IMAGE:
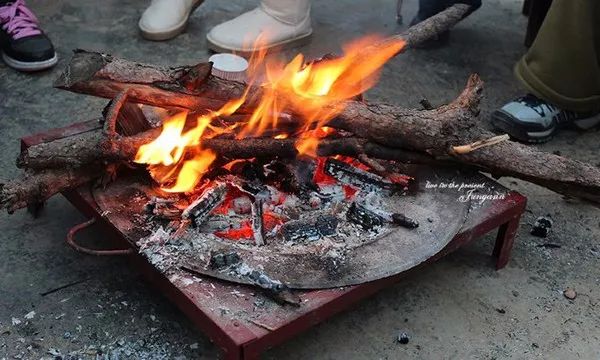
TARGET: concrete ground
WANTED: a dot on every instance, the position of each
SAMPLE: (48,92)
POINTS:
(456,309)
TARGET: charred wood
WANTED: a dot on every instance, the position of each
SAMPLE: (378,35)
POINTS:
(351,175)
(199,210)
(404,221)
(258,222)
(386,131)
(305,230)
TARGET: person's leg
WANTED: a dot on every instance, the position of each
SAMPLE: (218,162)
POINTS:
(561,70)
(165,19)
(428,8)
(23,44)
(278,22)
(563,64)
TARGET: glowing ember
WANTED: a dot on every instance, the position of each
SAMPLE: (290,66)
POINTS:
(314,93)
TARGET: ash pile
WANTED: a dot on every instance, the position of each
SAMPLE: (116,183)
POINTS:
(248,211)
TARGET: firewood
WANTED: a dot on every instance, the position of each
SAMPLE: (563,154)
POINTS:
(436,132)
(36,187)
(384,130)
(433,132)
(95,148)
(106,76)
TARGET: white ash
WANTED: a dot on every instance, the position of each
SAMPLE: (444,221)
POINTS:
(242,205)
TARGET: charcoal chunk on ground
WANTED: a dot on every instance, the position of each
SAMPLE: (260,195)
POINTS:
(542,226)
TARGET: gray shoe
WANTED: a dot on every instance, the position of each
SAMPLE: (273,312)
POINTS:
(533,120)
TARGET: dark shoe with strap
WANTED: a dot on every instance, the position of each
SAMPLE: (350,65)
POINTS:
(532,120)
(24,45)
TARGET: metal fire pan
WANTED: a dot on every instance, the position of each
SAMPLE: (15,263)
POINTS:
(439,211)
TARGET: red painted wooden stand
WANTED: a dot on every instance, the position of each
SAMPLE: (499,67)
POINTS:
(213,304)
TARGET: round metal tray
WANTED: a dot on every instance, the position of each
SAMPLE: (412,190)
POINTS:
(439,212)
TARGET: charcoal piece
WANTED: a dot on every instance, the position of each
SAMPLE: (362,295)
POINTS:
(156,201)
(201,208)
(275,289)
(258,222)
(364,217)
(310,230)
(403,338)
(264,281)
(221,260)
(296,231)
(277,172)
(354,176)
(254,188)
(404,221)
(326,225)
(166,212)
(302,171)
(542,226)
(249,170)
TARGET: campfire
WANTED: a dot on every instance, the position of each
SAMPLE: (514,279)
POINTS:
(259,199)
(291,175)
(315,92)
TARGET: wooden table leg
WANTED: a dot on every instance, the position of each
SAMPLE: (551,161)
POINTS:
(235,355)
(504,241)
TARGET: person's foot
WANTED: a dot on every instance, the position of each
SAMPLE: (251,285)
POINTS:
(24,45)
(533,120)
(165,19)
(240,34)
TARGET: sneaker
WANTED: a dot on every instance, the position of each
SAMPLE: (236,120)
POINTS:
(533,120)
(165,19)
(278,23)
(24,45)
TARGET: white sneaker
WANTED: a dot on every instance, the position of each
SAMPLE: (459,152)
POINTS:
(165,19)
(281,23)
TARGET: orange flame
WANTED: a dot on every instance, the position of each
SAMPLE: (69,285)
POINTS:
(313,92)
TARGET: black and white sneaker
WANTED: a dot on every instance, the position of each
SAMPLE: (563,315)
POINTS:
(533,120)
(24,45)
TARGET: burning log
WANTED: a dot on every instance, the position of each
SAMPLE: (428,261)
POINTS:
(352,175)
(386,131)
(94,148)
(200,209)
